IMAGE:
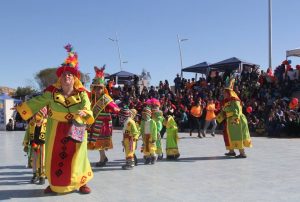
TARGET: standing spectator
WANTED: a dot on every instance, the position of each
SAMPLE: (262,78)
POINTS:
(195,114)
(177,82)
(210,117)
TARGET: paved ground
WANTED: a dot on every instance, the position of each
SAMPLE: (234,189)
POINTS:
(270,173)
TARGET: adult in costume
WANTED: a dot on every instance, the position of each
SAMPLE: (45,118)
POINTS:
(67,164)
(236,133)
(172,138)
(149,135)
(130,136)
(100,133)
(34,145)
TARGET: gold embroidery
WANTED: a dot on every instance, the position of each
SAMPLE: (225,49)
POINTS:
(66,102)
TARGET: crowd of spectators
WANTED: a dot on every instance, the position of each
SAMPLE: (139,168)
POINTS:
(265,97)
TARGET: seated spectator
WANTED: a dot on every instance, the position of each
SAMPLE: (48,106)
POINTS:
(10,125)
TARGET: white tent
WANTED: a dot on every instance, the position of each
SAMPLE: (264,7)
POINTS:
(293,52)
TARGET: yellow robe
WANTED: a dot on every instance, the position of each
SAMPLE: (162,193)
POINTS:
(67,164)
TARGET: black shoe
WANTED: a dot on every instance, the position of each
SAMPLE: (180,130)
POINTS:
(230,154)
(199,135)
(160,157)
(42,181)
(105,160)
(34,179)
(153,159)
(213,134)
(100,164)
(127,167)
(241,156)
(135,160)
(147,161)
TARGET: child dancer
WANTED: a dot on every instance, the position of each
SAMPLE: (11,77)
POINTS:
(130,136)
(149,135)
(34,144)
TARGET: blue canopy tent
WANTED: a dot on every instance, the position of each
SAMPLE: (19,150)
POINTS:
(122,76)
(202,68)
(231,64)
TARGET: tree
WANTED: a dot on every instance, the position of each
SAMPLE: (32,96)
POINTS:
(22,92)
(47,77)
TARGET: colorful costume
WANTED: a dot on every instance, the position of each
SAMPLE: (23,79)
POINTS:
(130,136)
(67,164)
(34,145)
(157,116)
(100,133)
(236,133)
(149,135)
(172,138)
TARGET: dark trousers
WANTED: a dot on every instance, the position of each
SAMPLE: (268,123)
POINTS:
(195,124)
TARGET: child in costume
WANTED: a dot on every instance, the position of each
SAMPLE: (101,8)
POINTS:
(34,145)
(130,136)
(149,135)
(157,116)
(172,138)
(236,133)
(100,133)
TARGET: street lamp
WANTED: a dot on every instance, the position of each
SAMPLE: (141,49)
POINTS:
(118,47)
(270,33)
(180,54)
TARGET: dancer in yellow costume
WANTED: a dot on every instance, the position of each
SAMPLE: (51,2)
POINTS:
(149,135)
(130,136)
(172,138)
(67,164)
(34,145)
(236,133)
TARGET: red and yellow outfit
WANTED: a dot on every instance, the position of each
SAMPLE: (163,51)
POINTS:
(67,164)
(100,133)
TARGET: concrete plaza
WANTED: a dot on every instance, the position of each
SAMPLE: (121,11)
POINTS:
(270,173)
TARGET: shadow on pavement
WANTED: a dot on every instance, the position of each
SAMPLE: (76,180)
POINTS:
(187,159)
(28,193)
(15,180)
(13,167)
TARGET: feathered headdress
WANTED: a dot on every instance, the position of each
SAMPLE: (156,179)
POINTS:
(229,83)
(99,78)
(70,64)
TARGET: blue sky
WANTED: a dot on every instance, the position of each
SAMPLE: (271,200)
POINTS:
(33,34)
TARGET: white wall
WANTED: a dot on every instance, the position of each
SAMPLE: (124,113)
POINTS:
(7,113)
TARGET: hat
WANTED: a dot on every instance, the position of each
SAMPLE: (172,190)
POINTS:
(133,113)
(124,112)
(99,77)
(229,84)
(70,64)
(147,111)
